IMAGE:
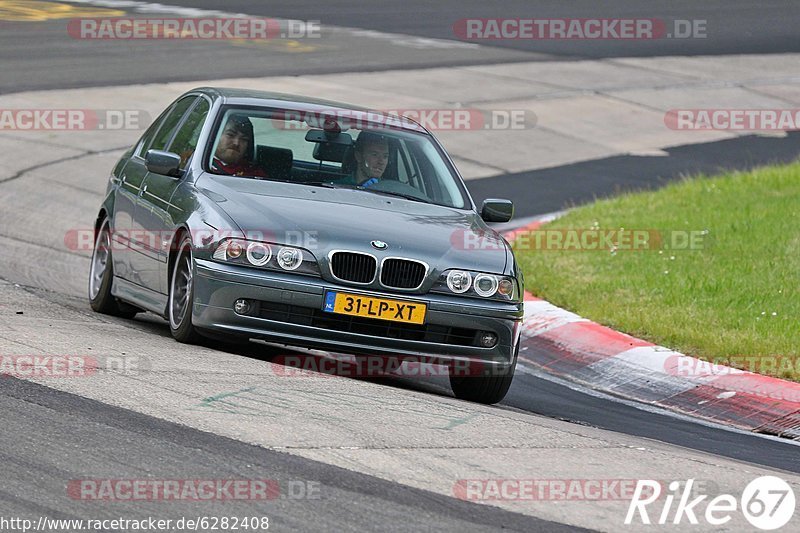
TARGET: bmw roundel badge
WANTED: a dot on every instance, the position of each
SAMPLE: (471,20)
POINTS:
(380,245)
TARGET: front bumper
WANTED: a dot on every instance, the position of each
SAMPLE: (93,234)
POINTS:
(218,286)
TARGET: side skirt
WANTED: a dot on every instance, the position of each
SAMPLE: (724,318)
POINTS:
(152,301)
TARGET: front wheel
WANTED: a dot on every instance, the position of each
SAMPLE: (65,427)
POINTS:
(489,387)
(101,274)
(181,295)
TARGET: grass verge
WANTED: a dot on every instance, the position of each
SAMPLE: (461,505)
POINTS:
(714,270)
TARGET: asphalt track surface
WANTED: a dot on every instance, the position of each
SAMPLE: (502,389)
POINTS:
(734,27)
(41,55)
(73,424)
(552,189)
(36,418)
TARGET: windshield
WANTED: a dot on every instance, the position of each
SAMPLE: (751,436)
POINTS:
(332,149)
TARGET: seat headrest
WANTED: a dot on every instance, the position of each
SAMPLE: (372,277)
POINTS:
(330,152)
(264,153)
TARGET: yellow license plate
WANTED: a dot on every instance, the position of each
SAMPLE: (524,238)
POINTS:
(371,307)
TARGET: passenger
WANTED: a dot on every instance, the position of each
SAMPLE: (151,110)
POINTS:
(371,152)
(234,155)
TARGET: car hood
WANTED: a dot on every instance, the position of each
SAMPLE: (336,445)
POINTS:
(323,219)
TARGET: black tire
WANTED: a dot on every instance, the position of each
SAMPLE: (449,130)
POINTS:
(489,388)
(181,295)
(101,274)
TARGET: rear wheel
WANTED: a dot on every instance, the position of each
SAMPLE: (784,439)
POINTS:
(181,295)
(101,274)
(488,388)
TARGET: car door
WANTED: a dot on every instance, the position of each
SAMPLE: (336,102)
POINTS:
(143,257)
(154,211)
(129,181)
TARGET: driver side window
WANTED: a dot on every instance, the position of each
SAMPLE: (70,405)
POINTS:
(185,142)
(168,125)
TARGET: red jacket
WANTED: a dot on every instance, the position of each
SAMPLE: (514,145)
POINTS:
(243,168)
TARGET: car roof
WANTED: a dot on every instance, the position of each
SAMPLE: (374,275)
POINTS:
(296,102)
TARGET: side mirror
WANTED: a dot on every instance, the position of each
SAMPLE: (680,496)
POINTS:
(160,162)
(496,210)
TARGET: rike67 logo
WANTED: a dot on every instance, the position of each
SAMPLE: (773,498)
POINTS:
(767,502)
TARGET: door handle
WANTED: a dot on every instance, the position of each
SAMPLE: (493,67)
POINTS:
(143,190)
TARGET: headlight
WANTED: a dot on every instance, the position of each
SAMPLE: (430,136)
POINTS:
(289,258)
(259,254)
(486,285)
(459,281)
(478,285)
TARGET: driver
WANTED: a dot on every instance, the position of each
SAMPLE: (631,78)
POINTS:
(235,148)
(371,152)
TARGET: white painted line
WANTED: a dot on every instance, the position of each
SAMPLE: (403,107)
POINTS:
(526,368)
(520,224)
(614,374)
(153,7)
(661,360)
(541,316)
(409,41)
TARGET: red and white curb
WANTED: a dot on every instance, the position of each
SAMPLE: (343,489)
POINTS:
(566,345)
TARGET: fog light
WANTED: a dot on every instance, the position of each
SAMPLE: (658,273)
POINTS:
(241,306)
(488,339)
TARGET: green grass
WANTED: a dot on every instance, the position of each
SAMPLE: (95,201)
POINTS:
(735,296)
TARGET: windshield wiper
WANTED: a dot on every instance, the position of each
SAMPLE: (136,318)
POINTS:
(332,185)
(326,184)
(392,193)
